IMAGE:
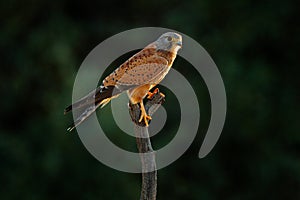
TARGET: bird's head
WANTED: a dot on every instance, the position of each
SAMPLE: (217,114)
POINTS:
(169,41)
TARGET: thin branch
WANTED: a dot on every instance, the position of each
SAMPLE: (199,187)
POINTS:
(149,172)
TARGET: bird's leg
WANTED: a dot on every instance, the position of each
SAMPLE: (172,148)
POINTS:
(144,115)
(151,94)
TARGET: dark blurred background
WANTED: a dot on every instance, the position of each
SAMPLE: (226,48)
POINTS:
(255,44)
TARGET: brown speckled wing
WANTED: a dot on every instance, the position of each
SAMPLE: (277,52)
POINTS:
(143,68)
(149,72)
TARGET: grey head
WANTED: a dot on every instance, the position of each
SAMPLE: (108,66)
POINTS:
(169,41)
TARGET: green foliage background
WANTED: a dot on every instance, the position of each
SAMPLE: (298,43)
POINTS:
(255,44)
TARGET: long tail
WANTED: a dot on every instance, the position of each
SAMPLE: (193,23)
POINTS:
(99,97)
(87,112)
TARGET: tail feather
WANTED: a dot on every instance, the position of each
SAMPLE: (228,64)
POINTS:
(90,110)
(99,97)
(87,100)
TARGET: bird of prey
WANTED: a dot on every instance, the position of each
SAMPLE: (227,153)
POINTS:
(137,76)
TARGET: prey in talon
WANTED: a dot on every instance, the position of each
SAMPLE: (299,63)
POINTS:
(136,76)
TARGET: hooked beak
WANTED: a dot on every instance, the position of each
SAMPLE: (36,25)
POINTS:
(179,43)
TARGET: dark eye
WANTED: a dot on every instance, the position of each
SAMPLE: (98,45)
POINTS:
(169,38)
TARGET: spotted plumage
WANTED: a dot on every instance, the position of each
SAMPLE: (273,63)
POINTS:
(138,75)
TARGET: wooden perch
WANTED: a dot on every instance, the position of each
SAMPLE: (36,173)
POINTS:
(149,172)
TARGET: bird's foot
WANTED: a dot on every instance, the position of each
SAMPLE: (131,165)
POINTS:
(151,94)
(144,116)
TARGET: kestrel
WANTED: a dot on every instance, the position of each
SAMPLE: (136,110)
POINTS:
(138,75)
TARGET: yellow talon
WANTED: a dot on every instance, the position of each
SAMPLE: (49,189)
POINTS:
(151,94)
(144,115)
